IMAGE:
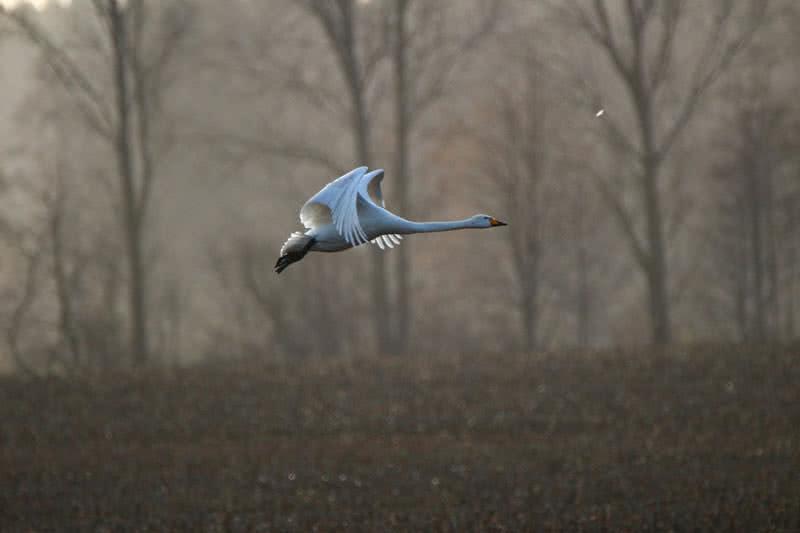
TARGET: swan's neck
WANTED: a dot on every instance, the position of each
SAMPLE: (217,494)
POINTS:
(431,227)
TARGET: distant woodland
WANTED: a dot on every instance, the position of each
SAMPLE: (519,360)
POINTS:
(646,155)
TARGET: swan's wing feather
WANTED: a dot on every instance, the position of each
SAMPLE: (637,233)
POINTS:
(371,192)
(314,214)
(371,187)
(318,209)
(336,203)
(389,240)
(347,214)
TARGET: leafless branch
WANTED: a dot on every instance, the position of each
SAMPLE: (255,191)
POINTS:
(664,50)
(87,97)
(625,221)
(258,147)
(435,60)
(13,329)
(708,70)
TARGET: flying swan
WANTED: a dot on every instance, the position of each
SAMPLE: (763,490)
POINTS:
(349,211)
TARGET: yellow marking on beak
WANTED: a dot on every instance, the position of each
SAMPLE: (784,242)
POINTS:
(495,222)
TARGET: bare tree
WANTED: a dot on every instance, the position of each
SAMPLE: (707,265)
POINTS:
(22,300)
(425,47)
(63,293)
(270,315)
(514,155)
(756,219)
(358,54)
(583,270)
(425,53)
(65,276)
(143,42)
(403,116)
(641,38)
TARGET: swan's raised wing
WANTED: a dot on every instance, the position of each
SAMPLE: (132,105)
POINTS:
(370,190)
(337,203)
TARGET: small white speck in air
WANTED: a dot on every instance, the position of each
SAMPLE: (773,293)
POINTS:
(600,113)
(292,476)
(435,481)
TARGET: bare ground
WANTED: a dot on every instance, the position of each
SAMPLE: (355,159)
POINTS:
(690,439)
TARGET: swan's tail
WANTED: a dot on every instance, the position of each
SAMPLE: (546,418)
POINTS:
(293,250)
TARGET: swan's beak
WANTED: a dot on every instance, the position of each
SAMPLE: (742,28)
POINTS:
(496,222)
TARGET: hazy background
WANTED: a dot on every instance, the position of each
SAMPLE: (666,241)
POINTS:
(622,356)
(142,213)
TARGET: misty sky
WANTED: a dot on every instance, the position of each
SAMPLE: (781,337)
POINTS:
(38,4)
(254,116)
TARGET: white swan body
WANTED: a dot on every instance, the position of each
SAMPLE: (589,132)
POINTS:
(346,213)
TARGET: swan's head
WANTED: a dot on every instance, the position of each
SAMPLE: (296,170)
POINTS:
(485,221)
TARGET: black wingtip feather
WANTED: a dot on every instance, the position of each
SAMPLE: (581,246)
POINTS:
(293,256)
(282,263)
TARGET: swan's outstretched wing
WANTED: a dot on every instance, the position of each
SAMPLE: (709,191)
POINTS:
(371,187)
(370,191)
(336,203)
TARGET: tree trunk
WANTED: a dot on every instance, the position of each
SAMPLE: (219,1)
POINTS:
(66,322)
(791,289)
(771,262)
(403,266)
(656,271)
(791,276)
(344,40)
(756,259)
(380,307)
(525,253)
(131,221)
(13,326)
(584,297)
(741,279)
(656,262)
(529,313)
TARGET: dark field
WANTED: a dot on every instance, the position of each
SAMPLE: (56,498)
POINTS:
(696,439)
